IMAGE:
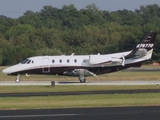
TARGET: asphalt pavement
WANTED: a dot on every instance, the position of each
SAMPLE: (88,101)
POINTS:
(110,113)
(57,83)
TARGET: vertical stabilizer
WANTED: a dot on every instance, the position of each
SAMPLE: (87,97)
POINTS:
(144,47)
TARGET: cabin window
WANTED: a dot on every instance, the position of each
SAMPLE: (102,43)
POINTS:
(67,61)
(32,61)
(60,61)
(75,60)
(53,61)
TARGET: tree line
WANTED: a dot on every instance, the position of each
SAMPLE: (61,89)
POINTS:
(54,31)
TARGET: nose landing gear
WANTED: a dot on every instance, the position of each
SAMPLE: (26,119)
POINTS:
(18,78)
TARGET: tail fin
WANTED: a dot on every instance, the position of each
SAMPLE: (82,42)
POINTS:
(144,47)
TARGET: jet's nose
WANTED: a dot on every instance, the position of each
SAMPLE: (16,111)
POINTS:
(12,70)
(5,71)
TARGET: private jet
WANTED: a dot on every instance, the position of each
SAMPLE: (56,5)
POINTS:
(85,65)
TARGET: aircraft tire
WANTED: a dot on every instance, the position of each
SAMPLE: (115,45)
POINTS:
(82,80)
(17,80)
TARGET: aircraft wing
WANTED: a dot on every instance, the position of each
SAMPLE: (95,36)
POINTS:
(77,72)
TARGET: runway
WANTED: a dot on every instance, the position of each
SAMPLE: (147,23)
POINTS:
(48,83)
(111,113)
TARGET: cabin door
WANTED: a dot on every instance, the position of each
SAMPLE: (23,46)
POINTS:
(45,65)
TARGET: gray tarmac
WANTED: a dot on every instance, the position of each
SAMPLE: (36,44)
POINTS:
(111,113)
(48,83)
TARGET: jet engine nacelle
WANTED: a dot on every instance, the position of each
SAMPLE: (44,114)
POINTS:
(105,59)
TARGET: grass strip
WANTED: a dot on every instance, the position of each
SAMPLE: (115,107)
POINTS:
(47,102)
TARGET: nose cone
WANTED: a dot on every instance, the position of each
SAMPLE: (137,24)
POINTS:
(13,70)
(6,71)
(9,70)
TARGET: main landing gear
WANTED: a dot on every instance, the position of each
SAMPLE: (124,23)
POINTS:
(82,73)
(82,79)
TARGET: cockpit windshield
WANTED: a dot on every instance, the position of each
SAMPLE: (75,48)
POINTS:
(26,61)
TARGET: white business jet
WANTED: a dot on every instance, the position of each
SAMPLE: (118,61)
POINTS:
(85,65)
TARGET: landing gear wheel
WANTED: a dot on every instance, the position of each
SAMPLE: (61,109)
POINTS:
(18,78)
(82,80)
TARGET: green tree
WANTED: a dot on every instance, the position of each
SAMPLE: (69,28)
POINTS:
(20,29)
(16,55)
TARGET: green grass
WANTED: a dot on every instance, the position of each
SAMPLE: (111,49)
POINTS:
(77,101)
